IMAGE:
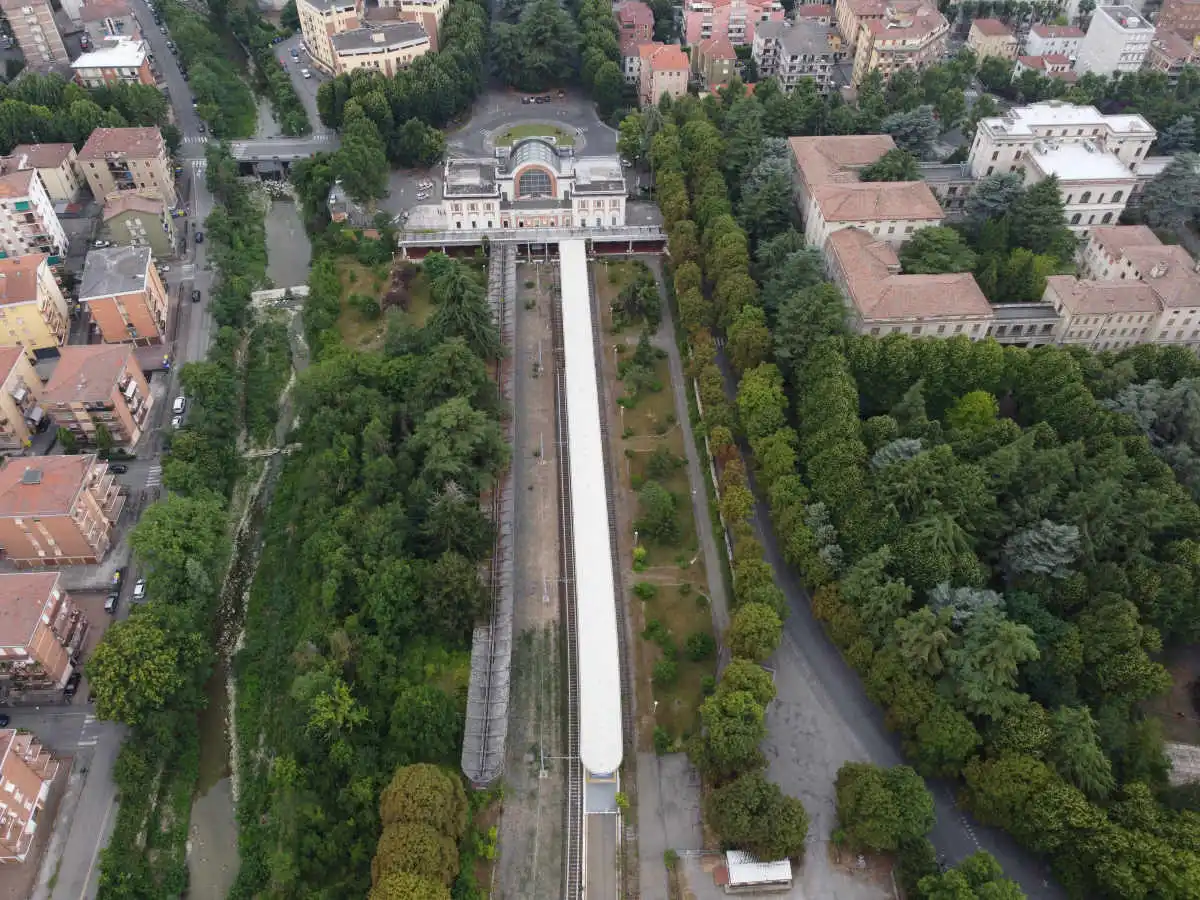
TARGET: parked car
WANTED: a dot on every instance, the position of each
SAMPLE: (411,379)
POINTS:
(195,296)
(179,405)
(199,237)
(306,73)
(162,29)
(139,589)
(4,720)
(99,245)
(110,602)
(118,468)
(177,421)
(84,41)
(201,128)
(295,53)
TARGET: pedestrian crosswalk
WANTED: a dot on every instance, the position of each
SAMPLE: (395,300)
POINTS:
(187,270)
(199,165)
(154,477)
(87,735)
(195,138)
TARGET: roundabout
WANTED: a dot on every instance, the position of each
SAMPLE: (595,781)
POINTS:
(509,133)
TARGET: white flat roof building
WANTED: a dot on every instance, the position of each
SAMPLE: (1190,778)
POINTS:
(1095,185)
(601,744)
(1117,40)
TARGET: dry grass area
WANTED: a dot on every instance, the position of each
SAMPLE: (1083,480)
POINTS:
(363,332)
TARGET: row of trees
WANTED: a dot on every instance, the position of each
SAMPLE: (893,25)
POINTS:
(423,811)
(49,108)
(359,618)
(150,670)
(710,258)
(223,99)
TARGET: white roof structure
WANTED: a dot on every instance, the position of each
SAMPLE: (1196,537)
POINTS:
(1078,162)
(1026,120)
(123,54)
(600,729)
(746,871)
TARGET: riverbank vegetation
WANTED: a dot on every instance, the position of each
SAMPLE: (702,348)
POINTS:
(150,670)
(354,661)
(999,553)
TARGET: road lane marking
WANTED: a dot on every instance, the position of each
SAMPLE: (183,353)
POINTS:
(96,852)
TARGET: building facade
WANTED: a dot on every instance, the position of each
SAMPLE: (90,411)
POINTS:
(57,510)
(793,52)
(1117,40)
(387,49)
(57,166)
(911,35)
(33,310)
(124,295)
(715,61)
(991,37)
(33,26)
(28,223)
(1054,65)
(734,20)
(664,70)
(27,771)
(121,61)
(1095,185)
(831,198)
(20,400)
(635,26)
(99,386)
(1170,53)
(1181,17)
(135,160)
(136,221)
(42,631)
(533,184)
(1046,40)
(320,20)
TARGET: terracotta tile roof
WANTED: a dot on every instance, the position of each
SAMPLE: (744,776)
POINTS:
(717,48)
(41,156)
(1057,59)
(86,373)
(880,293)
(22,598)
(1086,297)
(15,184)
(1116,239)
(909,21)
(18,278)
(132,203)
(136,143)
(634,12)
(828,166)
(43,485)
(991,28)
(812,11)
(1171,273)
(1173,44)
(9,357)
(1057,31)
(665,57)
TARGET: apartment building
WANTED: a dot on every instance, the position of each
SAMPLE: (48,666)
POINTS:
(428,13)
(135,160)
(1103,315)
(28,223)
(33,310)
(853,14)
(831,197)
(132,220)
(122,61)
(99,386)
(792,52)
(991,37)
(635,26)
(1053,65)
(1095,185)
(821,13)
(1117,40)
(715,61)
(20,400)
(1002,143)
(27,771)
(320,20)
(1170,54)
(57,510)
(109,20)
(388,48)
(1046,40)
(57,166)
(1181,17)
(664,70)
(911,35)
(42,631)
(124,295)
(734,20)
(33,26)
(883,301)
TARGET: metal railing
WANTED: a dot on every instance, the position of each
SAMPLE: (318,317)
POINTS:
(531,235)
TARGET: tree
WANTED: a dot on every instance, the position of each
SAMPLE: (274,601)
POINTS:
(878,809)
(152,661)
(657,520)
(978,877)
(753,814)
(733,729)
(996,73)
(765,207)
(924,638)
(985,667)
(361,164)
(743,675)
(289,17)
(749,338)
(462,311)
(426,795)
(755,632)
(406,886)
(1172,199)
(1045,548)
(914,131)
(631,140)
(898,164)
(1179,138)
(426,725)
(761,401)
(181,542)
(1038,221)
(933,251)
(416,849)
(67,438)
(540,50)
(1075,753)
(972,415)
(805,318)
(418,144)
(607,88)
(994,195)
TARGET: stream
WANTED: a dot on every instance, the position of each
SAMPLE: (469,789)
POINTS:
(212,835)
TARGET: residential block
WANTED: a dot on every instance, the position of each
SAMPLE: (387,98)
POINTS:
(133,220)
(133,160)
(57,166)
(20,399)
(28,223)
(734,20)
(120,61)
(27,771)
(664,70)
(1117,40)
(33,310)
(99,386)
(42,631)
(33,26)
(991,37)
(794,51)
(910,34)
(124,295)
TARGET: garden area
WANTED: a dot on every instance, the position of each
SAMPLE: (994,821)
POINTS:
(370,291)
(676,656)
(561,137)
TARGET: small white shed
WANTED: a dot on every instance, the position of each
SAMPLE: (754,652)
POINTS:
(748,875)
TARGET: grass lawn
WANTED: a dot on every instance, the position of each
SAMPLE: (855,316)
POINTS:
(683,612)
(611,278)
(365,333)
(562,137)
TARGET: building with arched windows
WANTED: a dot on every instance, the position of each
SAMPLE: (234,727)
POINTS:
(534,184)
